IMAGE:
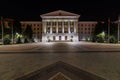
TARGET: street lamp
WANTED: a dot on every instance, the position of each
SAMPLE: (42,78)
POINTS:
(108,30)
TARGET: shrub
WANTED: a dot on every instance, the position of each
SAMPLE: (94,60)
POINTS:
(7,41)
(26,41)
(19,41)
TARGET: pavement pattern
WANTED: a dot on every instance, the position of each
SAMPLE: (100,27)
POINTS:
(62,69)
(102,60)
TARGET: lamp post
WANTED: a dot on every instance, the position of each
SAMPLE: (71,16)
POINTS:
(108,30)
(12,34)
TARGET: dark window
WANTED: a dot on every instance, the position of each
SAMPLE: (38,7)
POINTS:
(81,24)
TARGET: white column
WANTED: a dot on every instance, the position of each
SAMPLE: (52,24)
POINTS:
(62,27)
(75,27)
(57,27)
(68,26)
(44,27)
(51,28)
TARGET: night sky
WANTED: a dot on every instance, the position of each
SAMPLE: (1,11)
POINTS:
(32,9)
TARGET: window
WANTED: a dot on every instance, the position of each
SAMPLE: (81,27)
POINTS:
(85,28)
(93,24)
(59,23)
(66,23)
(88,28)
(54,31)
(81,24)
(65,31)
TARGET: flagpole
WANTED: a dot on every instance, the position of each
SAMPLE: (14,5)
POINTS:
(118,28)
(12,34)
(2,30)
(108,30)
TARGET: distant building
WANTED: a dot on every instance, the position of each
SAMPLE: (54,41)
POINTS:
(36,28)
(60,26)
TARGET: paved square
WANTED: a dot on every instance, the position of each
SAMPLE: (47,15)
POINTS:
(104,64)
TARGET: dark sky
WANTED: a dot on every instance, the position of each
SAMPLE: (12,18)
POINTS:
(32,9)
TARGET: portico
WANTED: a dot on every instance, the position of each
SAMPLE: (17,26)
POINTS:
(60,26)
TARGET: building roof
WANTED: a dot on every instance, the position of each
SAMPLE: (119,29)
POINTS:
(60,13)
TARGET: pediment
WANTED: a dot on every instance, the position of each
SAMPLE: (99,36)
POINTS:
(60,13)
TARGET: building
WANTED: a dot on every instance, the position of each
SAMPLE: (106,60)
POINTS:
(86,28)
(36,28)
(60,26)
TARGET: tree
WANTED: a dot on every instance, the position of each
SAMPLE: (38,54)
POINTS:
(17,27)
(100,27)
(28,32)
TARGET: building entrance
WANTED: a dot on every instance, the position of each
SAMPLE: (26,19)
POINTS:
(65,37)
(60,38)
(54,38)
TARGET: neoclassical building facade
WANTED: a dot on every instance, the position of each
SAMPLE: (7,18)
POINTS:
(60,26)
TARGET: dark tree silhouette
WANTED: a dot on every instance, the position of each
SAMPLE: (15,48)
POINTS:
(28,32)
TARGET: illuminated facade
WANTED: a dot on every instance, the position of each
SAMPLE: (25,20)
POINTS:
(60,26)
